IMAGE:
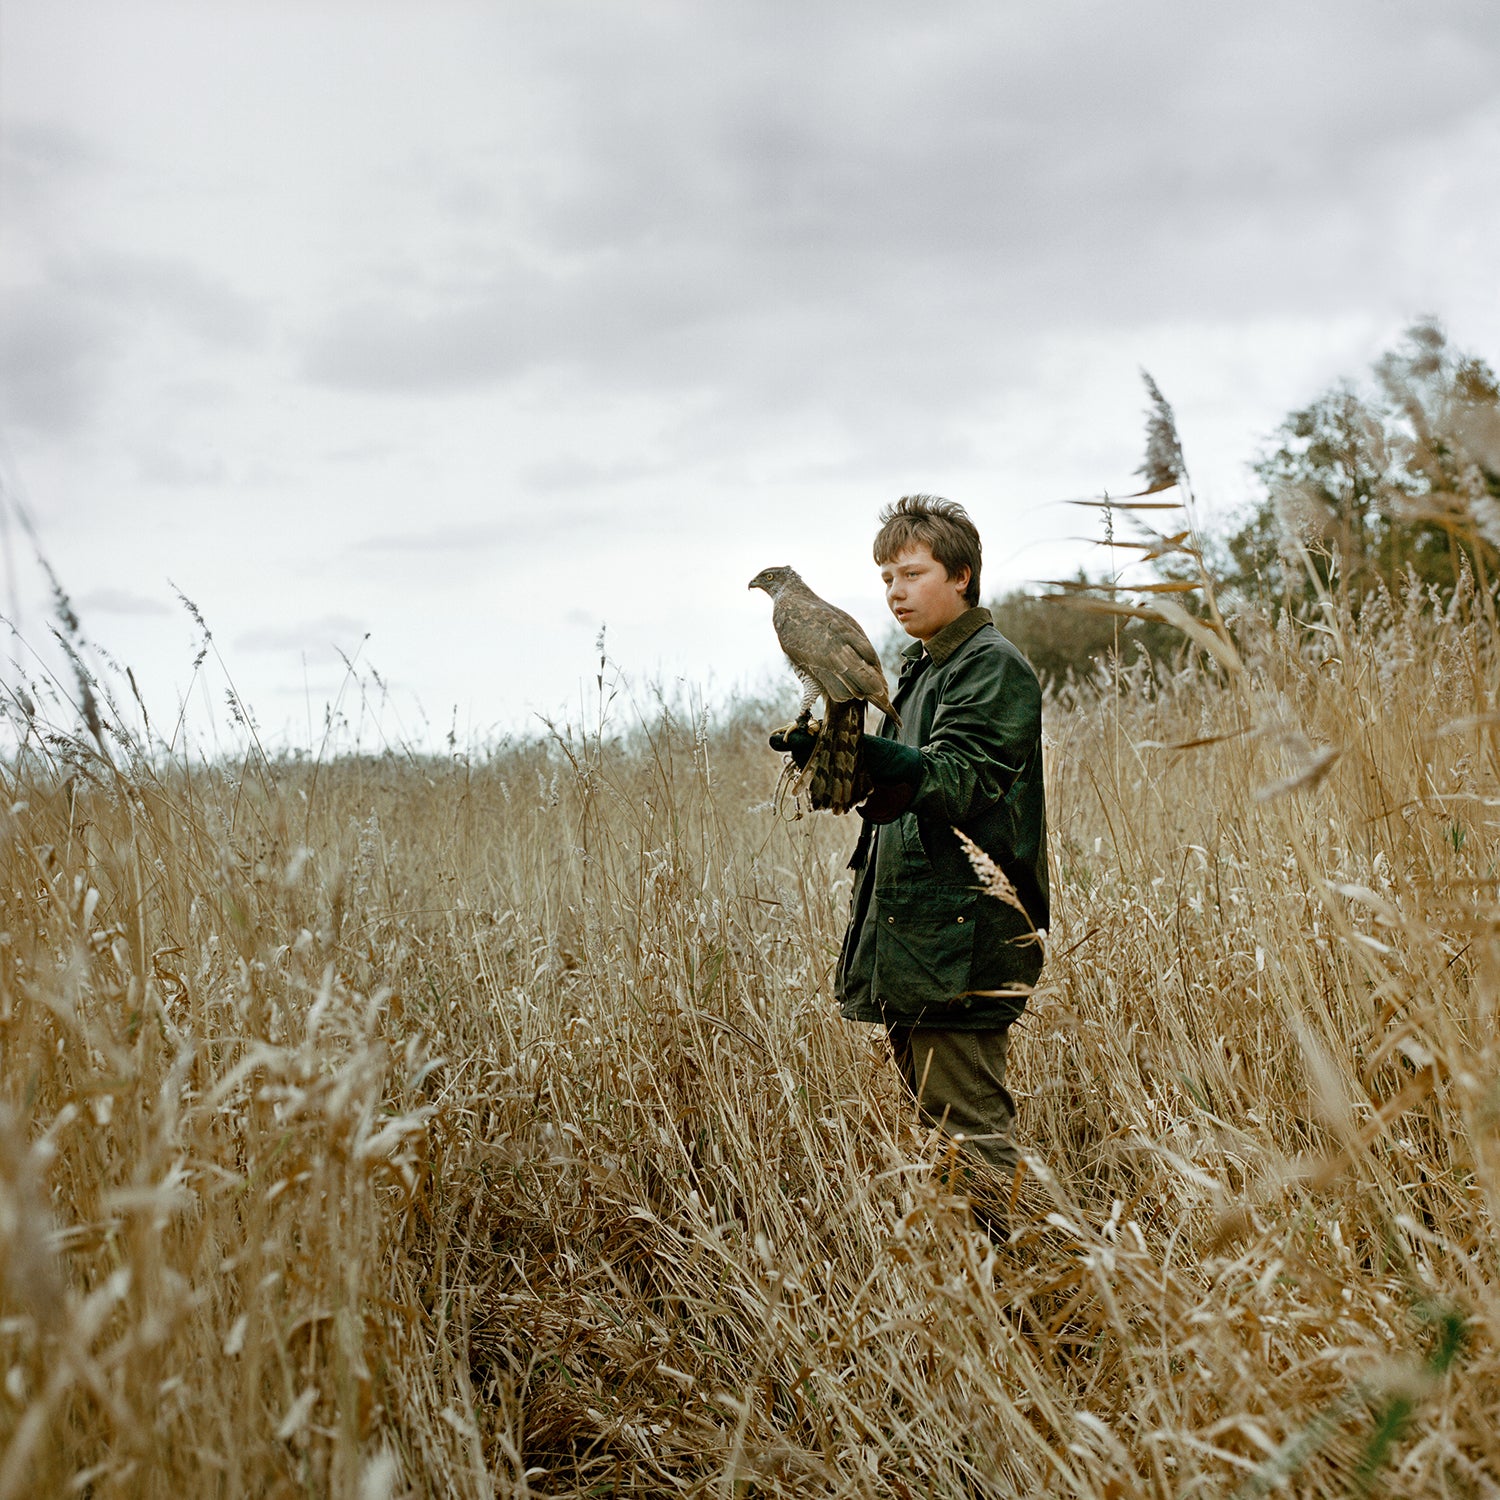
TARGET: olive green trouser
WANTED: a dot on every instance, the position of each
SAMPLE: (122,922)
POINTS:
(958,1081)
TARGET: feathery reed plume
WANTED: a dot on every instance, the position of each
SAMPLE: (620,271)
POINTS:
(1163,465)
(993,881)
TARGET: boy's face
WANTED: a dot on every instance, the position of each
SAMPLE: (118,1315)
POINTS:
(920,593)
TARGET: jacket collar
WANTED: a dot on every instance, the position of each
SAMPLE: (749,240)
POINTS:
(950,637)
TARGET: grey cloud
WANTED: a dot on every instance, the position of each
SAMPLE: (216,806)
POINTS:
(520,320)
(879,217)
(54,358)
(304,635)
(48,148)
(37,157)
(62,334)
(166,466)
(358,453)
(572,473)
(518,524)
(112,601)
(177,290)
(439,539)
(382,348)
(198,393)
(957,135)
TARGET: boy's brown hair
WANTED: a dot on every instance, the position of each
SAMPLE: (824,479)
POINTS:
(943,526)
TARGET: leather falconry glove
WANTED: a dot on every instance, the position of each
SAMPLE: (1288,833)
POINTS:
(798,743)
(893,767)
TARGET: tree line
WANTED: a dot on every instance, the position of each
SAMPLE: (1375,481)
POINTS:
(1376,485)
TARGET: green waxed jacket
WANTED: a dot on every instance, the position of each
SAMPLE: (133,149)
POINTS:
(924,941)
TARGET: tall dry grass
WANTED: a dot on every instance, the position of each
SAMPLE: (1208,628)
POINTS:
(485,1126)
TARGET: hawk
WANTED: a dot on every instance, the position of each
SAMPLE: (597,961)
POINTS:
(834,658)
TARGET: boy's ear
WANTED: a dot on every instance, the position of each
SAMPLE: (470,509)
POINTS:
(962,576)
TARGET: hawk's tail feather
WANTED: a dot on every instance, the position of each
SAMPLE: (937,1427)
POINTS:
(835,778)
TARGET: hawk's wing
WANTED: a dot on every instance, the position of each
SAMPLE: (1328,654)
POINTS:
(829,646)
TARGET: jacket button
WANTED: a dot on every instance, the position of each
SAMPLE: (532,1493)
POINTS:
(960,919)
(890,919)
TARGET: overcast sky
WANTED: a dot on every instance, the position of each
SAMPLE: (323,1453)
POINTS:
(472,327)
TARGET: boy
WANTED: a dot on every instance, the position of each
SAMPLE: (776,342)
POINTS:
(942,965)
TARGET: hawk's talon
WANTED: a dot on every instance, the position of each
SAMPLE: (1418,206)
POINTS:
(803,724)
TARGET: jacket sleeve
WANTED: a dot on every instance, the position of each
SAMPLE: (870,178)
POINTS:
(985,730)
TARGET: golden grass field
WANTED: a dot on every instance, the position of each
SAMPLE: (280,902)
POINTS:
(485,1126)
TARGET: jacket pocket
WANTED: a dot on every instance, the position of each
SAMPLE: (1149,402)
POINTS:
(924,946)
(913,850)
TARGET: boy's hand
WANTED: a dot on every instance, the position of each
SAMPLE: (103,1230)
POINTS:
(794,741)
(895,769)
(886,803)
